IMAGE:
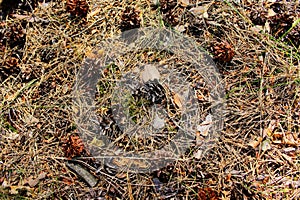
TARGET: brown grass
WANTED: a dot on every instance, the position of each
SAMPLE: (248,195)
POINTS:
(256,156)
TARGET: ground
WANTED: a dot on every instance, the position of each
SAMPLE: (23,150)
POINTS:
(255,46)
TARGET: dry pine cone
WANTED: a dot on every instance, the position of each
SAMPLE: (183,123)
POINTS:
(130,19)
(223,52)
(171,11)
(72,146)
(77,8)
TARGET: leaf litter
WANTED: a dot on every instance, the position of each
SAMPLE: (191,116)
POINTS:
(257,155)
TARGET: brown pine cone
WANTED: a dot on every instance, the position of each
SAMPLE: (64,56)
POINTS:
(72,146)
(130,19)
(171,11)
(223,51)
(77,8)
(13,35)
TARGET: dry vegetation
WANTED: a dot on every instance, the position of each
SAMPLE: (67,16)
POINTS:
(255,45)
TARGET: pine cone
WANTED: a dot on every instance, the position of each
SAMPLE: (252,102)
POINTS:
(13,35)
(223,52)
(77,8)
(10,68)
(152,91)
(171,11)
(130,19)
(72,146)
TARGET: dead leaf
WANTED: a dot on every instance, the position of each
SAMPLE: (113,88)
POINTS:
(33,182)
(198,154)
(204,127)
(266,145)
(289,139)
(206,194)
(16,189)
(150,72)
(201,10)
(269,130)
(271,13)
(184,3)
(97,143)
(30,120)
(255,143)
(42,175)
(93,13)
(257,29)
(178,100)
(267,28)
(67,180)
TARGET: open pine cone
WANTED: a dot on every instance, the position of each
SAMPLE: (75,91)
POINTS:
(130,19)
(77,8)
(72,146)
(223,51)
(171,11)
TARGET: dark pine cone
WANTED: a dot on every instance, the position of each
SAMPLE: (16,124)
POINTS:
(10,68)
(152,91)
(223,52)
(130,19)
(13,35)
(77,8)
(171,11)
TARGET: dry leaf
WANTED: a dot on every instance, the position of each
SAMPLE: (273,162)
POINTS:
(96,142)
(30,120)
(271,13)
(267,27)
(198,154)
(150,72)
(15,189)
(178,100)
(184,3)
(269,130)
(93,13)
(257,29)
(255,143)
(266,145)
(33,182)
(201,10)
(204,127)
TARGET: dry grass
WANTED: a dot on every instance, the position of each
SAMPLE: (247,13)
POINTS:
(257,154)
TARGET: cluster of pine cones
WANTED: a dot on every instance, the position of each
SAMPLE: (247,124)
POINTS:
(281,19)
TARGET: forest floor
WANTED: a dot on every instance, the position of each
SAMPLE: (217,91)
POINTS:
(255,47)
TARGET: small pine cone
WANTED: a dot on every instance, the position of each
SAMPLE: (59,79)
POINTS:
(13,35)
(223,52)
(171,11)
(130,19)
(10,68)
(294,35)
(72,146)
(152,91)
(167,5)
(258,16)
(77,8)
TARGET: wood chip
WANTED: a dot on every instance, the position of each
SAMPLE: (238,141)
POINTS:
(83,173)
